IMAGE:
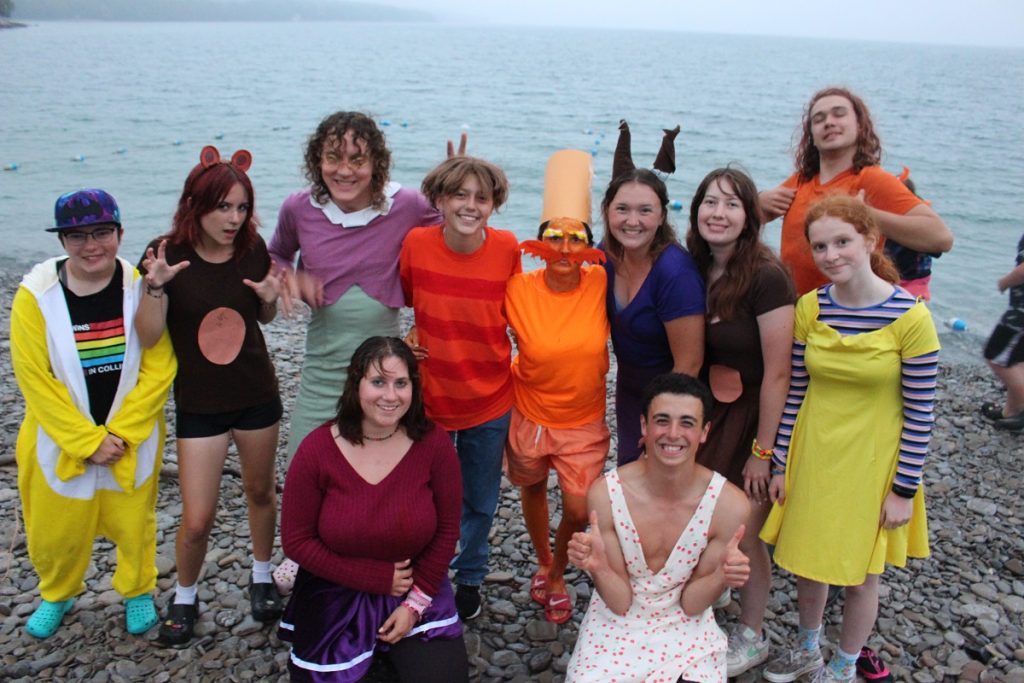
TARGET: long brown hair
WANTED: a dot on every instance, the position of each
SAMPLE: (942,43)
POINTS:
(727,294)
(665,233)
(855,212)
(869,147)
(372,352)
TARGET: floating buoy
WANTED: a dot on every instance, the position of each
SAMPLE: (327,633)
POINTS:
(675,205)
(176,143)
(385,122)
(218,136)
(78,157)
(464,126)
(593,151)
(957,324)
(120,150)
(597,141)
(588,131)
(11,167)
(405,124)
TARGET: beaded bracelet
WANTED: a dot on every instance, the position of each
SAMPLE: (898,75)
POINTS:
(417,601)
(760,453)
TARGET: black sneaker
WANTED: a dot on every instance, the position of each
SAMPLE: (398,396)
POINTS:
(176,629)
(467,601)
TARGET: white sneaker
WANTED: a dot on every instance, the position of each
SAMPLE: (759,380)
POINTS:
(792,664)
(825,675)
(746,650)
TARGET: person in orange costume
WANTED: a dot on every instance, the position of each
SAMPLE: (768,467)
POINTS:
(558,316)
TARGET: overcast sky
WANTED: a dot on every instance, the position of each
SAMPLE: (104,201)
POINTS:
(975,22)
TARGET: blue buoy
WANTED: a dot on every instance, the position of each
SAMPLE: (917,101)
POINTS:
(593,151)
(11,167)
(675,205)
(405,124)
(385,122)
(78,157)
(588,131)
(957,324)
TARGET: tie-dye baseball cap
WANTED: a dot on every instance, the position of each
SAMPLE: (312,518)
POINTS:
(84,207)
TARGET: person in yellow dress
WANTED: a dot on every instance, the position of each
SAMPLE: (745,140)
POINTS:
(846,485)
(90,447)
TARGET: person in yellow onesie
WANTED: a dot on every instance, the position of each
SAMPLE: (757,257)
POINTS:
(90,447)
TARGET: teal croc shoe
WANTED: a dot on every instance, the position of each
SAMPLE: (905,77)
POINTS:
(45,621)
(140,614)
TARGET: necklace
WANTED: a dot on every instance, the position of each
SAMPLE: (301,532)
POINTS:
(380,438)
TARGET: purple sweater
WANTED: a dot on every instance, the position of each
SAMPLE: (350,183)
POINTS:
(341,257)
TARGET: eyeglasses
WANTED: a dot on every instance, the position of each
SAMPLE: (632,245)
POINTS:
(101,235)
(354,162)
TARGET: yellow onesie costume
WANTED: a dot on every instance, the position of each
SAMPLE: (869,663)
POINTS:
(68,501)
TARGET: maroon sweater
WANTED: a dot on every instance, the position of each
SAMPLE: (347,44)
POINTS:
(345,530)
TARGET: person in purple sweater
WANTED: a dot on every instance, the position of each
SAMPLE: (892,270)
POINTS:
(371,514)
(346,228)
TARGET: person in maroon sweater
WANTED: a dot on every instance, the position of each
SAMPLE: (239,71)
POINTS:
(371,515)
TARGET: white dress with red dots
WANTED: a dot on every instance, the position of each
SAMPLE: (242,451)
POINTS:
(655,642)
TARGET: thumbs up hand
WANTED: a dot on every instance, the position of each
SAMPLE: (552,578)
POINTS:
(586,548)
(735,564)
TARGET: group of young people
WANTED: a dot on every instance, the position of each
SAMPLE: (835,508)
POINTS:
(817,405)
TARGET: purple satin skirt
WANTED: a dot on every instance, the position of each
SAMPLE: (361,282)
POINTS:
(333,629)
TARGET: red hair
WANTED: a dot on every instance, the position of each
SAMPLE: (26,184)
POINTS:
(869,147)
(205,188)
(856,213)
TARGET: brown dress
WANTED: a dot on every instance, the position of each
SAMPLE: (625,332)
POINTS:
(736,345)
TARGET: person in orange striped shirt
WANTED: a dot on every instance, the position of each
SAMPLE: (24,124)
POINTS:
(454,276)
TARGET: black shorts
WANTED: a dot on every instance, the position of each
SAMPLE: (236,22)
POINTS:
(197,426)
(1005,346)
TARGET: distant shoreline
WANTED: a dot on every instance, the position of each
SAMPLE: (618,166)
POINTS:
(7,23)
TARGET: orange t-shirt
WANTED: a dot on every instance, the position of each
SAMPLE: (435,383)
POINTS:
(882,190)
(459,303)
(559,374)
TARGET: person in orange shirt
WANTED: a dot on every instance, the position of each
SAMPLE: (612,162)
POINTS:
(558,317)
(839,152)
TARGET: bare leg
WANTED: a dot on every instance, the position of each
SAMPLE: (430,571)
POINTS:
(1013,378)
(810,598)
(200,463)
(257,451)
(859,614)
(754,593)
(574,518)
(535,513)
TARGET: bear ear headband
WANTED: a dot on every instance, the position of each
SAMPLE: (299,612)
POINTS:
(665,162)
(241,160)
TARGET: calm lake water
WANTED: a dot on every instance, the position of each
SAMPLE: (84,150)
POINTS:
(136,102)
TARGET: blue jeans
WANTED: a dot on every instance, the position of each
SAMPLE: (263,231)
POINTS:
(480,449)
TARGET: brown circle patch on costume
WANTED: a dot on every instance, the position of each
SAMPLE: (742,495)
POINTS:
(221,335)
(726,383)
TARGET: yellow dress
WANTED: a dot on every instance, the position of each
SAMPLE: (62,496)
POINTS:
(844,452)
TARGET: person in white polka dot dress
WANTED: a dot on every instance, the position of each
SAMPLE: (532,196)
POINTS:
(663,544)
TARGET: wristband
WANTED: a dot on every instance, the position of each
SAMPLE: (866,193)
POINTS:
(417,601)
(760,453)
(155,292)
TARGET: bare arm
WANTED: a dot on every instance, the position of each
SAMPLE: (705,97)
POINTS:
(775,202)
(920,229)
(597,552)
(1012,279)
(721,564)
(775,328)
(151,315)
(686,339)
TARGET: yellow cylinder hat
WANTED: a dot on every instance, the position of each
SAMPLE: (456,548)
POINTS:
(567,181)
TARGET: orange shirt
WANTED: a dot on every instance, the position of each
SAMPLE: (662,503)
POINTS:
(882,190)
(458,300)
(559,374)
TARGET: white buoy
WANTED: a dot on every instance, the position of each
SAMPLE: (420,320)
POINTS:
(176,143)
(78,157)
(11,167)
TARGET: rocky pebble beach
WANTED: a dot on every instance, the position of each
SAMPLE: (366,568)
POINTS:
(958,615)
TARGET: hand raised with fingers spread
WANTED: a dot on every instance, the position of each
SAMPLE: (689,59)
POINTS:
(269,288)
(401,582)
(158,271)
(735,564)
(462,146)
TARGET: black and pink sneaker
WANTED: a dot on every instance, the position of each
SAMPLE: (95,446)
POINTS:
(871,667)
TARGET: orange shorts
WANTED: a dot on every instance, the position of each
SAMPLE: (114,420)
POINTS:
(577,454)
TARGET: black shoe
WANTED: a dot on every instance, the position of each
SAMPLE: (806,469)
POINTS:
(1014,423)
(467,601)
(176,629)
(265,601)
